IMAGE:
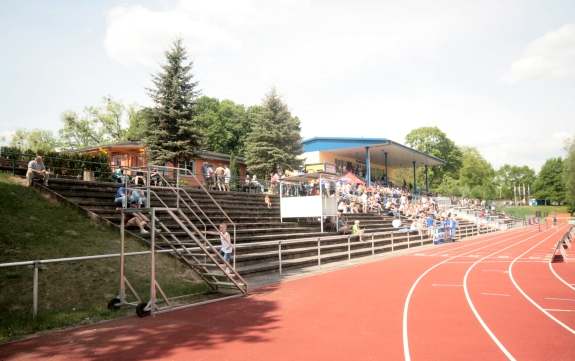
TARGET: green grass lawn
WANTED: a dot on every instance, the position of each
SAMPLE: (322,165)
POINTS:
(32,228)
(526,211)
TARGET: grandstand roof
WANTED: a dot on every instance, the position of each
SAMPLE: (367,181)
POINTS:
(398,154)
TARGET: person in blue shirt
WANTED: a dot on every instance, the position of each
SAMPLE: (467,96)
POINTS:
(121,194)
(452,227)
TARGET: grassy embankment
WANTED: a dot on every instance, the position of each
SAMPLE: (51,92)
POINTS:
(526,211)
(34,228)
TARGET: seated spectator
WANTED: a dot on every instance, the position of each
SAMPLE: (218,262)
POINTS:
(342,227)
(256,184)
(155,177)
(139,179)
(138,219)
(356,231)
(136,198)
(121,197)
(118,176)
(37,170)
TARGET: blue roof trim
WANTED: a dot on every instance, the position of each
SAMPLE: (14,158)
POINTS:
(320,143)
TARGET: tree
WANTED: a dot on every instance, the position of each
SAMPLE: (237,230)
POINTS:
(137,122)
(224,124)
(433,141)
(569,175)
(37,140)
(274,140)
(173,133)
(550,181)
(509,175)
(97,125)
(476,175)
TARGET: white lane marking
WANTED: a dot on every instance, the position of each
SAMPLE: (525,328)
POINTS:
(558,310)
(560,299)
(546,313)
(472,306)
(559,277)
(446,285)
(495,294)
(506,238)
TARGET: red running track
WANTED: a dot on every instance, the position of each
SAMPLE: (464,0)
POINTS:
(489,298)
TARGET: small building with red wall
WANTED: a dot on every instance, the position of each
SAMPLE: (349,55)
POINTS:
(135,155)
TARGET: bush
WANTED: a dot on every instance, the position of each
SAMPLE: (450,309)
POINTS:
(64,164)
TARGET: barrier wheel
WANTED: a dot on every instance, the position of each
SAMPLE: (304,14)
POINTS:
(141,310)
(114,304)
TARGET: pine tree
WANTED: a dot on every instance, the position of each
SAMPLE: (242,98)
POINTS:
(274,140)
(172,132)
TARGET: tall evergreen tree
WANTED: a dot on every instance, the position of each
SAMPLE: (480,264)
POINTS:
(172,131)
(274,140)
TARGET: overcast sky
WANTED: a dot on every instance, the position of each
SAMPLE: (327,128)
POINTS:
(497,75)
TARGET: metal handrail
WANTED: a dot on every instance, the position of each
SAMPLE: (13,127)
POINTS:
(177,169)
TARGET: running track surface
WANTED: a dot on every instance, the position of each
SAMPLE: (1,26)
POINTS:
(494,297)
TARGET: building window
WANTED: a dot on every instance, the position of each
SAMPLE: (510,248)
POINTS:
(189,165)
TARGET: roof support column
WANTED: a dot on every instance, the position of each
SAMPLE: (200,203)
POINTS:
(386,173)
(367,167)
(414,179)
(426,180)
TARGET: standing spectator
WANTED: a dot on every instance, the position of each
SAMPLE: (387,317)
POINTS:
(227,178)
(37,170)
(220,171)
(226,246)
(274,181)
(268,201)
(155,177)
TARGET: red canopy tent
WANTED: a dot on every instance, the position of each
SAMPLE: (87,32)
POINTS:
(352,178)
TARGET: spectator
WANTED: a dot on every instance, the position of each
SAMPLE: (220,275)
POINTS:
(226,247)
(155,177)
(342,226)
(37,170)
(268,201)
(139,220)
(227,178)
(220,171)
(356,231)
(121,197)
(136,198)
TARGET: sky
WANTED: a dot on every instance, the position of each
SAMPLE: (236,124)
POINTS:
(496,75)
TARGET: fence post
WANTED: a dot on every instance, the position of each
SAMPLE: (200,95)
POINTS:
(372,245)
(392,245)
(35,291)
(349,248)
(408,238)
(280,256)
(420,237)
(318,252)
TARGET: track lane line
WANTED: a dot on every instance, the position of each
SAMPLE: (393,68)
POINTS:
(505,236)
(527,297)
(474,309)
(559,277)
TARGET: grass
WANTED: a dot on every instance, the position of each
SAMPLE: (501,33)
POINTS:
(32,228)
(526,211)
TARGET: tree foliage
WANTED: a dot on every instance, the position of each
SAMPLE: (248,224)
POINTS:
(433,141)
(101,124)
(173,133)
(37,140)
(225,125)
(476,175)
(550,181)
(509,175)
(274,140)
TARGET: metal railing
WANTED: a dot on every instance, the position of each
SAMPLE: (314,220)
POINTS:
(37,263)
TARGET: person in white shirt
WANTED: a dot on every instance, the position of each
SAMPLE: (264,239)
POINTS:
(226,246)
(227,177)
(37,170)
